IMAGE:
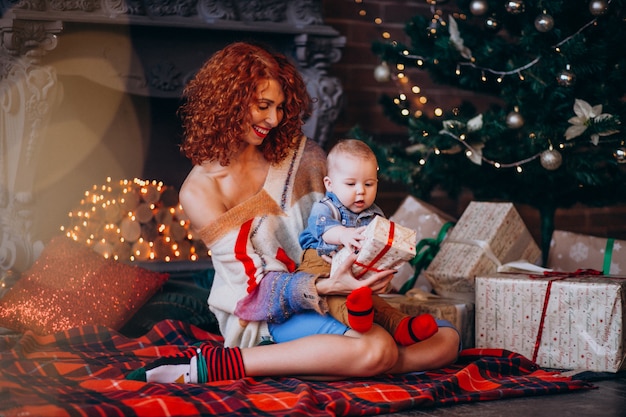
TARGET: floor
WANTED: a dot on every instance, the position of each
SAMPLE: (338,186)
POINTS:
(608,400)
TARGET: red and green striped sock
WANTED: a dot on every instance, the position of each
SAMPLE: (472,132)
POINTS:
(198,364)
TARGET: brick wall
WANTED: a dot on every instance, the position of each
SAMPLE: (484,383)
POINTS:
(362,93)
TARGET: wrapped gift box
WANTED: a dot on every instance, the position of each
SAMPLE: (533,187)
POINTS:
(427,222)
(457,312)
(487,236)
(386,245)
(583,319)
(571,251)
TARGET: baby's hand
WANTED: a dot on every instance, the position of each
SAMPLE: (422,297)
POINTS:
(351,237)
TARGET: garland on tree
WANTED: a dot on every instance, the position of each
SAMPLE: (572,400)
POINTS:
(554,137)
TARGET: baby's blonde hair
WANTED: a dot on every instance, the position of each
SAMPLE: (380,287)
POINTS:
(349,147)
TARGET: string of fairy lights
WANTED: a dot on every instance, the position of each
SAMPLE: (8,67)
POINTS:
(134,220)
(550,158)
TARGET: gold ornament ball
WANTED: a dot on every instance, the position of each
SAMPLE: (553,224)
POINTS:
(551,159)
(515,6)
(598,7)
(544,23)
(479,7)
(514,120)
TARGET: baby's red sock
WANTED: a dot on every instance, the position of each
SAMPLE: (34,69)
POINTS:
(360,309)
(414,329)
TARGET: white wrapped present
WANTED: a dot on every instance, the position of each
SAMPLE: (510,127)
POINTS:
(486,237)
(386,245)
(566,323)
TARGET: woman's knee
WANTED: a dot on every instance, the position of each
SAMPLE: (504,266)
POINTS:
(378,352)
(450,346)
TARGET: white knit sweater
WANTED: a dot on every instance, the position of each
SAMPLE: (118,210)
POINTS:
(261,235)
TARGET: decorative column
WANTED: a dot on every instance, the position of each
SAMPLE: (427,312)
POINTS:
(314,56)
(28,93)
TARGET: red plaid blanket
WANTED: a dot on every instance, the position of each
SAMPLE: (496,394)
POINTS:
(81,373)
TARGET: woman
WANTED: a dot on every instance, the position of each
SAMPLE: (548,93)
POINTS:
(248,196)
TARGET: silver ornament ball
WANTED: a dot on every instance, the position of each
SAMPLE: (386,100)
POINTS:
(479,7)
(620,155)
(598,7)
(514,120)
(544,23)
(566,78)
(515,6)
(382,73)
(551,159)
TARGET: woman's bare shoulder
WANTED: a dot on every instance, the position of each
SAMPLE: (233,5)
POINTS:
(200,197)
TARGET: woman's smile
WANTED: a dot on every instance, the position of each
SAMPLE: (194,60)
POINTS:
(260,131)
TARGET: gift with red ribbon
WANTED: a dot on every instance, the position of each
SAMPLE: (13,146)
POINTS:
(564,320)
(386,245)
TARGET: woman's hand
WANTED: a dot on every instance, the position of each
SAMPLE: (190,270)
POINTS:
(343,282)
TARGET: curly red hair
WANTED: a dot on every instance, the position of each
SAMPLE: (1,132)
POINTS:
(214,115)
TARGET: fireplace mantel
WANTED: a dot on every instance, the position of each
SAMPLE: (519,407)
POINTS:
(146,48)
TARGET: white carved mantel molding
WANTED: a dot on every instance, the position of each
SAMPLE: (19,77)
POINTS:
(32,39)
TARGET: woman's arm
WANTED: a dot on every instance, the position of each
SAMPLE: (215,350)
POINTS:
(343,282)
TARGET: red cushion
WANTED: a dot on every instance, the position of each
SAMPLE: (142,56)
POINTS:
(71,285)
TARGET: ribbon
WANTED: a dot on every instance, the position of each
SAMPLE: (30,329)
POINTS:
(608,254)
(557,277)
(425,252)
(370,266)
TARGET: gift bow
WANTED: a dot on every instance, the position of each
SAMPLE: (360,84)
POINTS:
(425,252)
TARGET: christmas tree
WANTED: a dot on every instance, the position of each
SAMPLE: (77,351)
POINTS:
(552,138)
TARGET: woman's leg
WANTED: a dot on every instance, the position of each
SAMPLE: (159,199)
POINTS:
(324,355)
(320,356)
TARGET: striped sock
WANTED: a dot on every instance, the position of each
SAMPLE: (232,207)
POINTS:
(223,363)
(198,364)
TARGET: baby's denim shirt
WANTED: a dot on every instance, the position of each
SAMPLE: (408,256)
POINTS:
(322,218)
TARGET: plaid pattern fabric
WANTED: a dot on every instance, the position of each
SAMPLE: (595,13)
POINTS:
(81,372)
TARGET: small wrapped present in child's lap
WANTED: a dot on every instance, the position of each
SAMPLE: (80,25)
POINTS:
(487,238)
(386,245)
(571,251)
(566,321)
